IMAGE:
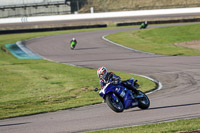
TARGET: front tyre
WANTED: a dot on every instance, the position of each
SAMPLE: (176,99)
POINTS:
(115,105)
(72,46)
(144,101)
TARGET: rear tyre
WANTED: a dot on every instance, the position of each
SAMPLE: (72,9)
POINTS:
(144,101)
(115,105)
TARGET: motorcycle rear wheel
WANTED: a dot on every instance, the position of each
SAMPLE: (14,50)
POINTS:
(116,106)
(144,102)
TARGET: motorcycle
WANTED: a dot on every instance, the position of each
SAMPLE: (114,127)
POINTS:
(73,45)
(144,25)
(119,97)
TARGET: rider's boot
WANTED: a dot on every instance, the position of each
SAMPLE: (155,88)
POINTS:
(135,84)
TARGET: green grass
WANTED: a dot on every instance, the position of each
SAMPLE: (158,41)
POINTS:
(167,127)
(160,40)
(36,86)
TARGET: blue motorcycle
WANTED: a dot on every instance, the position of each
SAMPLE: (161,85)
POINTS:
(119,97)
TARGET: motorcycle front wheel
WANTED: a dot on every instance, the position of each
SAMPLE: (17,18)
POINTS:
(115,105)
(72,47)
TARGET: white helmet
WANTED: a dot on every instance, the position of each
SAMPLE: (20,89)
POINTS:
(73,39)
(102,72)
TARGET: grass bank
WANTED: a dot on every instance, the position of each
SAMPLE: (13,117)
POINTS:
(36,86)
(160,40)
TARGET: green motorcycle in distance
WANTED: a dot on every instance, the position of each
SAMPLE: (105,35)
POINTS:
(73,43)
(144,25)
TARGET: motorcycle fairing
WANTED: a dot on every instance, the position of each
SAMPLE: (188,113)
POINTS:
(121,91)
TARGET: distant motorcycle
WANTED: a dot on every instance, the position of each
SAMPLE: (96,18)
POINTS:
(144,25)
(72,45)
(119,98)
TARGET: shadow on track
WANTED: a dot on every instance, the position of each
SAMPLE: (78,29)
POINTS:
(172,106)
(86,48)
(14,124)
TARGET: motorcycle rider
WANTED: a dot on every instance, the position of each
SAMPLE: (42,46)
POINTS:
(109,77)
(73,41)
(144,25)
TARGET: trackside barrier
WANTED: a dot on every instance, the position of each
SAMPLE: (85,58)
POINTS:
(101,15)
(160,22)
(51,29)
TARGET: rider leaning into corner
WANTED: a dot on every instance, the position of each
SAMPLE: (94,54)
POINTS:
(73,42)
(109,77)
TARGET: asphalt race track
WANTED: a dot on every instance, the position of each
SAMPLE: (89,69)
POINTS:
(178,99)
